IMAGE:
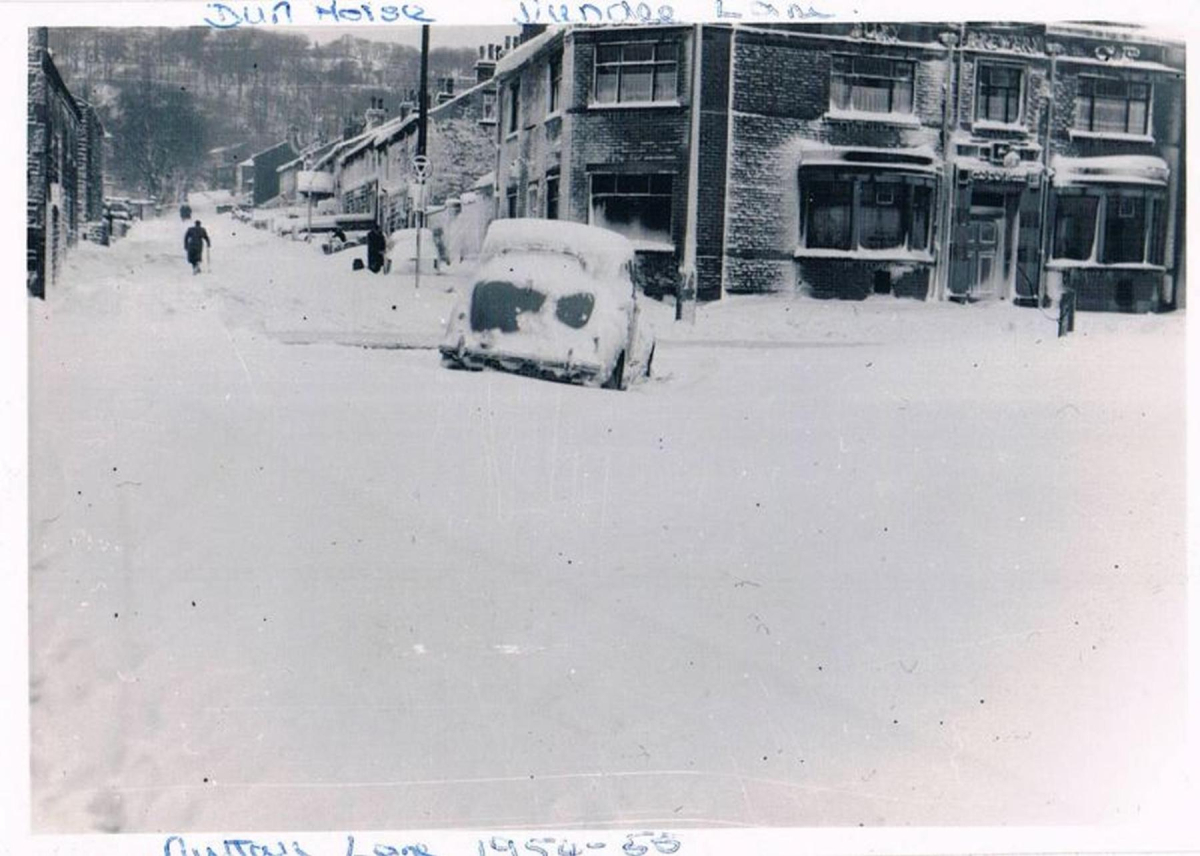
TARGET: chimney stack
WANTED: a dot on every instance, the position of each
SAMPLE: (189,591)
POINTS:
(485,66)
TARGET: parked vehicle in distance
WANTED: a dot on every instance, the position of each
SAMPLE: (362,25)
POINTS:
(556,300)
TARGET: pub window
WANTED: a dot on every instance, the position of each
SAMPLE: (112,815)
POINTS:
(1075,227)
(1110,227)
(511,199)
(636,72)
(554,98)
(848,210)
(871,84)
(829,205)
(998,97)
(636,205)
(1108,105)
(514,106)
(551,197)
(1125,229)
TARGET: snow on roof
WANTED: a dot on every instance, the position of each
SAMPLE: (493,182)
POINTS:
(357,144)
(1110,169)
(269,149)
(525,50)
(601,251)
(488,179)
(388,130)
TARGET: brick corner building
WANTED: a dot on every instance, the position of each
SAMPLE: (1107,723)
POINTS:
(935,161)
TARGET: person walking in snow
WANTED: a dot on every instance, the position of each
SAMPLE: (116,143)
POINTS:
(376,246)
(193,243)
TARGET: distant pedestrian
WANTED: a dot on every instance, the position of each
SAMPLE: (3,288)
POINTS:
(376,246)
(185,212)
(194,242)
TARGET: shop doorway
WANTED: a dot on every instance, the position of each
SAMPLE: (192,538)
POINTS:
(985,245)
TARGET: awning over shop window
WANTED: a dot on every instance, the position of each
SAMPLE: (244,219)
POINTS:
(917,159)
(1113,169)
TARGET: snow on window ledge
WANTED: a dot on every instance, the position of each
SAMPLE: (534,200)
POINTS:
(1117,136)
(635,105)
(897,254)
(652,246)
(992,125)
(1092,264)
(836,115)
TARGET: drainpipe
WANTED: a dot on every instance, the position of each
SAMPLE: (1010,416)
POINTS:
(942,270)
(688,286)
(1054,49)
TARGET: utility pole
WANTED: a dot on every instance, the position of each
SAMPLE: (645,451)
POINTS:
(422,139)
(1044,234)
(423,96)
(685,299)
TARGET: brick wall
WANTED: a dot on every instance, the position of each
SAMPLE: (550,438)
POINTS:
(781,98)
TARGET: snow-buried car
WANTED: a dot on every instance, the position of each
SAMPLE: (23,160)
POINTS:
(552,299)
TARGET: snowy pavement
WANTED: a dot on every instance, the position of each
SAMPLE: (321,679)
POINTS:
(884,563)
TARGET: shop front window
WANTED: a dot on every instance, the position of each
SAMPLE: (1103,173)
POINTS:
(1110,227)
(830,205)
(1075,227)
(848,210)
(1125,229)
(636,205)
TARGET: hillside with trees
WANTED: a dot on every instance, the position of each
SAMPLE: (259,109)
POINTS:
(169,95)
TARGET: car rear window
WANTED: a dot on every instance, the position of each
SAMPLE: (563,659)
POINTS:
(574,310)
(496,305)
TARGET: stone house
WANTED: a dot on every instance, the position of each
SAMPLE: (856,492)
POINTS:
(64,166)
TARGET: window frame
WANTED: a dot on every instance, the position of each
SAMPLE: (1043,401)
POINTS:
(904,194)
(512,121)
(1129,83)
(553,179)
(620,64)
(486,98)
(1154,209)
(853,75)
(1022,84)
(668,196)
(554,84)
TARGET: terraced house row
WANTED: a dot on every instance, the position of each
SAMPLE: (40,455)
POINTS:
(64,166)
(931,160)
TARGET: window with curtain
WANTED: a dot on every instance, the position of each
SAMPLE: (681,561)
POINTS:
(1109,105)
(871,84)
(829,206)
(1075,227)
(1129,224)
(890,210)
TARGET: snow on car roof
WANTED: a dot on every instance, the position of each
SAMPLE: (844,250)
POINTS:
(601,251)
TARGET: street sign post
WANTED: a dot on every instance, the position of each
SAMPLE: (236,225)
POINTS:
(421,169)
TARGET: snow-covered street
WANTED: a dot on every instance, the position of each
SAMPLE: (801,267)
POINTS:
(880,563)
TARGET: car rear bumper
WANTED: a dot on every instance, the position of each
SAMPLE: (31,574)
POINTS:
(575,372)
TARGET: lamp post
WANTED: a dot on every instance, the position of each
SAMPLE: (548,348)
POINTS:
(950,41)
(1054,49)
